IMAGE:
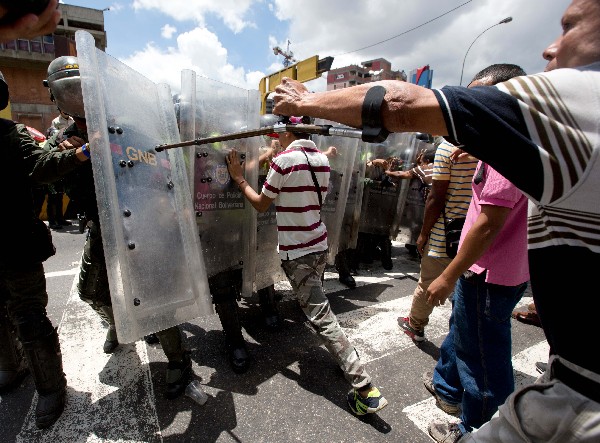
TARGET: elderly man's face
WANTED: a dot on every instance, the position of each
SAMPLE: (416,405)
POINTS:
(579,44)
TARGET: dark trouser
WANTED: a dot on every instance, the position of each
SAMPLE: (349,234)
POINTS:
(54,208)
(23,294)
(93,289)
(225,290)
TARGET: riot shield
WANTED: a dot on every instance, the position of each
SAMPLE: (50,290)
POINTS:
(384,200)
(414,209)
(226,221)
(341,164)
(268,271)
(351,220)
(156,272)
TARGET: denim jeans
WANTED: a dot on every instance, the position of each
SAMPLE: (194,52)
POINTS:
(475,366)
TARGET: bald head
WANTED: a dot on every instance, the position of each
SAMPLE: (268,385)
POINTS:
(579,43)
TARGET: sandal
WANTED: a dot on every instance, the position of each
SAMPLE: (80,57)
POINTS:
(528,317)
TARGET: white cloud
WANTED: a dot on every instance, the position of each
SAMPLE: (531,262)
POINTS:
(232,12)
(167,31)
(334,28)
(199,50)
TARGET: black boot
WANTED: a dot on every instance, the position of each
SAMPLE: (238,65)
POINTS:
(179,371)
(45,362)
(269,300)
(151,339)
(179,375)
(234,340)
(343,267)
(112,342)
(386,253)
(12,364)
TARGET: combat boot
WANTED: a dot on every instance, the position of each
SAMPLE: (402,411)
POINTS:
(45,362)
(111,342)
(342,264)
(386,253)
(234,340)
(179,370)
(269,301)
(13,367)
(179,375)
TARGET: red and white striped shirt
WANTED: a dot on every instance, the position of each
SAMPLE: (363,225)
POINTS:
(290,183)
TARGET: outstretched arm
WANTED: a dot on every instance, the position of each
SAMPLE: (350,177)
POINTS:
(406,107)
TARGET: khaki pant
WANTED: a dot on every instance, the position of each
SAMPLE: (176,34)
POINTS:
(304,274)
(431,268)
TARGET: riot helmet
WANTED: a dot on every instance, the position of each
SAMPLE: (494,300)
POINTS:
(64,82)
(3,93)
(269,120)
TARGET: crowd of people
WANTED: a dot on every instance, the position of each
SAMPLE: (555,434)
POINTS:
(518,222)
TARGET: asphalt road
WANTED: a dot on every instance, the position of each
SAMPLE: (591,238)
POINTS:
(293,392)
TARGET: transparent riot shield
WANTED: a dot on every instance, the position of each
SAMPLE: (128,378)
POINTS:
(414,208)
(156,272)
(268,270)
(341,164)
(384,200)
(351,220)
(226,221)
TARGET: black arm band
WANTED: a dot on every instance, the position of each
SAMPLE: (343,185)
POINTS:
(372,126)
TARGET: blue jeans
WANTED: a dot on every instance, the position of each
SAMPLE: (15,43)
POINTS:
(475,366)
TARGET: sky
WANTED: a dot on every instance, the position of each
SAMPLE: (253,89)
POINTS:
(232,40)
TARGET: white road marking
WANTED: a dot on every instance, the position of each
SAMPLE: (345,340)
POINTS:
(110,397)
(103,387)
(74,271)
(424,412)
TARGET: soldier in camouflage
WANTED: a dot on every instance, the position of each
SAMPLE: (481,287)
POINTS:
(28,341)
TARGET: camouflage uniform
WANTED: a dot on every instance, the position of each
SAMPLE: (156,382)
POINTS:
(26,243)
(304,274)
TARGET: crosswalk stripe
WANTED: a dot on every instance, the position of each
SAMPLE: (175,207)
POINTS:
(101,387)
(62,273)
(425,411)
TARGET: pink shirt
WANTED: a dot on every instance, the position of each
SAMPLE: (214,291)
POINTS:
(506,258)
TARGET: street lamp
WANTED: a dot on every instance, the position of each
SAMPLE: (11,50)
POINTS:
(501,22)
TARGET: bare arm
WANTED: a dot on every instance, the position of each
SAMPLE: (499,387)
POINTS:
(400,174)
(477,241)
(406,107)
(260,202)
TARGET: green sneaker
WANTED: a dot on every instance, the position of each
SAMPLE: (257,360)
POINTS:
(374,402)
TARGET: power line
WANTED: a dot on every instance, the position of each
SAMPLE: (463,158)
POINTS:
(405,32)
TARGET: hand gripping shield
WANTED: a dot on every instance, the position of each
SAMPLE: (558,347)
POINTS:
(341,164)
(383,201)
(225,220)
(156,272)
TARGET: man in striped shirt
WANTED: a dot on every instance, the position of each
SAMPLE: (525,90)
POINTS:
(549,121)
(450,195)
(298,181)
